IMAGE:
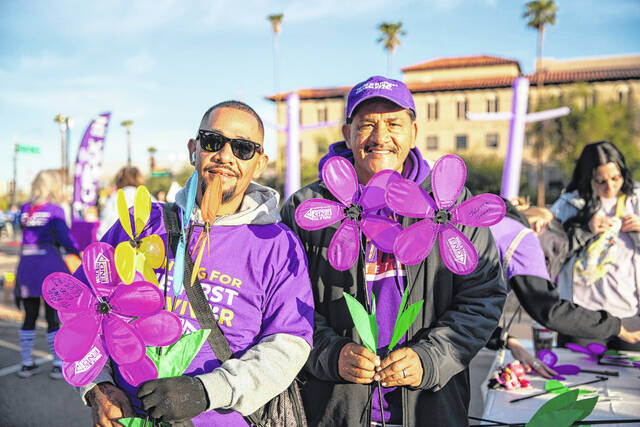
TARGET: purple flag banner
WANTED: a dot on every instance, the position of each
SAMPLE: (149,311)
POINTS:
(89,165)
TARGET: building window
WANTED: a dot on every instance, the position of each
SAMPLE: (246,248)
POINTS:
(492,140)
(323,113)
(432,110)
(492,104)
(461,142)
(623,94)
(462,107)
(432,142)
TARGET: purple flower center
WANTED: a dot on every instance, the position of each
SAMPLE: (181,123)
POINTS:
(135,243)
(104,307)
(353,212)
(442,216)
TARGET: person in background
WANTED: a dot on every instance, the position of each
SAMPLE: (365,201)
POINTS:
(44,240)
(425,380)
(600,210)
(127,179)
(523,261)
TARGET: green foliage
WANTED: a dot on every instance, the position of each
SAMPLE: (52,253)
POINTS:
(540,12)
(566,136)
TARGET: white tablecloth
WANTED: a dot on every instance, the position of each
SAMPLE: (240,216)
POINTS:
(619,397)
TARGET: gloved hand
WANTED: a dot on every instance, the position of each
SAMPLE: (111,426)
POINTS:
(173,399)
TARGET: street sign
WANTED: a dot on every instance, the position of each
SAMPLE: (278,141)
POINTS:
(159,174)
(27,149)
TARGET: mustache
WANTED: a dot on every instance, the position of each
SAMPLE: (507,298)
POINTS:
(369,148)
(218,166)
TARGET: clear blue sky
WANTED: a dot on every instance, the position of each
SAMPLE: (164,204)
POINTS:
(162,63)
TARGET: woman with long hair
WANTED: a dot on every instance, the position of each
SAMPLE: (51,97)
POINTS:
(45,236)
(600,210)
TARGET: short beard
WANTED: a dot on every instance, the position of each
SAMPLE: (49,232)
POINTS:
(228,195)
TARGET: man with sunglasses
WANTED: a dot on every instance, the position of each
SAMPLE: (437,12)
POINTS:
(425,380)
(254,278)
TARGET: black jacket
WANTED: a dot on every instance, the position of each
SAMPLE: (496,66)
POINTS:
(458,316)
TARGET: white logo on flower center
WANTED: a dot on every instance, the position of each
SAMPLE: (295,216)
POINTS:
(459,254)
(103,273)
(318,214)
(88,361)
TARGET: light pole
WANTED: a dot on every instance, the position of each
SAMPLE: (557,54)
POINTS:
(127,125)
(65,123)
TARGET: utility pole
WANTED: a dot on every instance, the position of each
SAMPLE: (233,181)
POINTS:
(15,168)
(65,124)
(127,125)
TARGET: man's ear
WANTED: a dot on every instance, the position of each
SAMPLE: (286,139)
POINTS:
(346,133)
(414,132)
(191,146)
(263,160)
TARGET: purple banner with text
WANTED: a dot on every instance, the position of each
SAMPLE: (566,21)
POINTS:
(89,165)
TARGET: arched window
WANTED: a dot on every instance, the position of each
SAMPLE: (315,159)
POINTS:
(492,103)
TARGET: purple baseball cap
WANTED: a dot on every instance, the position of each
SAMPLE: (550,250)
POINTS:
(380,87)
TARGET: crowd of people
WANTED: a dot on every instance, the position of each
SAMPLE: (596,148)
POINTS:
(574,268)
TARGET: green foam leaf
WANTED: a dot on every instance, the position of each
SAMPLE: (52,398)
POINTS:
(403,322)
(177,357)
(553,385)
(362,322)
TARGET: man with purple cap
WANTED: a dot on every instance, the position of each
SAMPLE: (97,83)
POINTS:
(425,380)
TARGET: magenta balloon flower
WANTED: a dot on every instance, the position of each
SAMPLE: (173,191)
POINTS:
(357,209)
(415,242)
(97,320)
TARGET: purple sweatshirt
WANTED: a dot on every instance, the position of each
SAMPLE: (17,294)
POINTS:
(386,278)
(45,231)
(257,284)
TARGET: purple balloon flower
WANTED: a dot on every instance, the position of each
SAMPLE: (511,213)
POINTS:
(415,242)
(357,206)
(97,320)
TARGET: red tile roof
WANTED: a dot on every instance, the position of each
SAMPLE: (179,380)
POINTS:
(556,77)
(465,61)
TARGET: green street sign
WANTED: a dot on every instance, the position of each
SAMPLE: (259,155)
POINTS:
(27,149)
(159,174)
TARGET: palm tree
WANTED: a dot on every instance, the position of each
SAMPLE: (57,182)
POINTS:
(276,20)
(539,13)
(391,38)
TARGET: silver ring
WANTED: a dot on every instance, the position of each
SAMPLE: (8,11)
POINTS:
(404,373)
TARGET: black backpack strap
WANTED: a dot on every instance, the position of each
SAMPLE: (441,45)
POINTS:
(198,300)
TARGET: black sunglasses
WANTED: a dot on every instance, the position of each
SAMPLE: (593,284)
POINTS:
(213,141)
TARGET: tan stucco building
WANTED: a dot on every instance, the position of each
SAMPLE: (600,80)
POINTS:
(445,89)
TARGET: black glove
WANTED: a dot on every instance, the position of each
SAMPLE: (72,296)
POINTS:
(173,399)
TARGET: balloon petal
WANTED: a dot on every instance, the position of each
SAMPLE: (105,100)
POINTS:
(567,369)
(578,348)
(121,340)
(372,197)
(343,248)
(381,231)
(65,293)
(596,348)
(141,208)
(65,316)
(340,178)
(447,179)
(457,251)
(314,214)
(125,257)
(75,337)
(99,265)
(178,269)
(482,210)
(139,372)
(148,274)
(406,198)
(415,242)
(123,213)
(211,199)
(548,357)
(160,329)
(81,372)
(137,299)
(152,247)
